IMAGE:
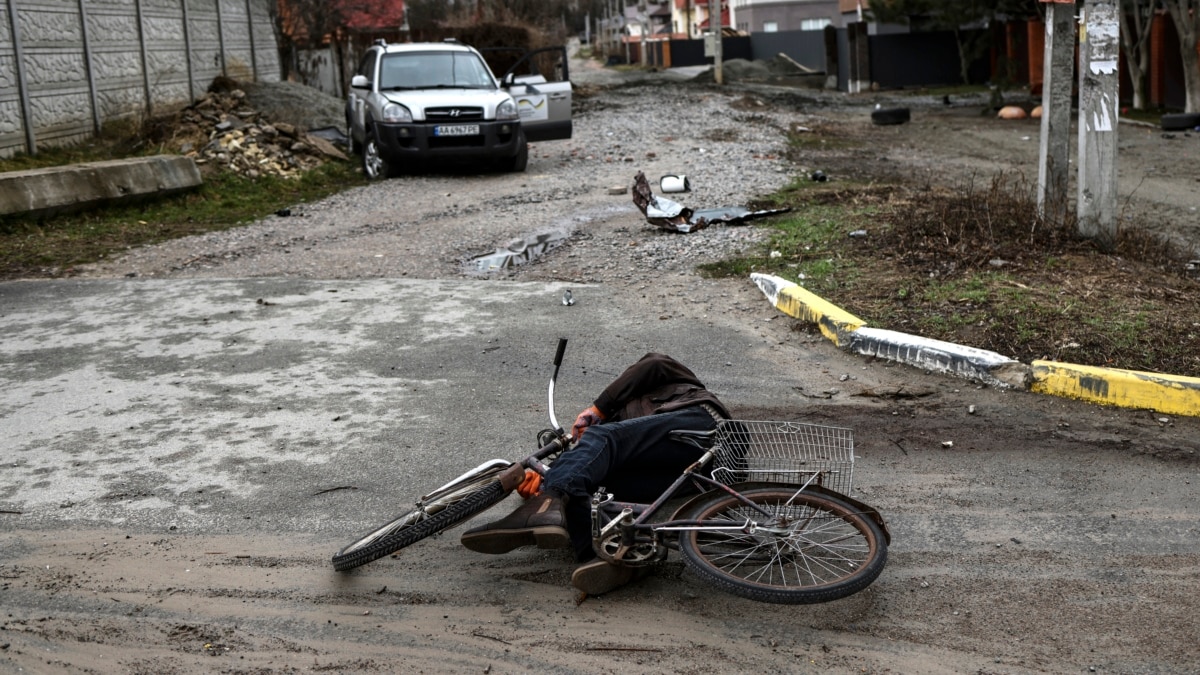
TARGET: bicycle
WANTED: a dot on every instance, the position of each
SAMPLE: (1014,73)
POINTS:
(772,521)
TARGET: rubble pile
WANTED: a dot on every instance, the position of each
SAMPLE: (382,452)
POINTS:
(220,131)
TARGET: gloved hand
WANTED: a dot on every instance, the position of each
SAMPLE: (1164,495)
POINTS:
(532,484)
(586,419)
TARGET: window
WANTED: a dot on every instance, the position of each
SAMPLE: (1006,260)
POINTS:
(770,26)
(814,24)
(425,70)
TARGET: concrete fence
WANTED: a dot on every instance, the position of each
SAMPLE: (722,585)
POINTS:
(69,66)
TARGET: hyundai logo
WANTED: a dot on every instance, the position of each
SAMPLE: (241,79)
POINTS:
(455,112)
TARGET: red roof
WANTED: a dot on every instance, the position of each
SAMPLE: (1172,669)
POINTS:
(724,20)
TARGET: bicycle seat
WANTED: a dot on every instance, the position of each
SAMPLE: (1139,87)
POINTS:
(700,438)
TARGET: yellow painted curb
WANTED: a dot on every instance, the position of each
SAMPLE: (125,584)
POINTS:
(1173,394)
(794,300)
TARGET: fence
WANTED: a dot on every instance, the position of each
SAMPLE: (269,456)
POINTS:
(69,66)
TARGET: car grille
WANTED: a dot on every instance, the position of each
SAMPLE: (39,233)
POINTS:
(453,114)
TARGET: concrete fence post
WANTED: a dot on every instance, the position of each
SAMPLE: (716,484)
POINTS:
(22,83)
(89,66)
(141,29)
(221,36)
(187,49)
(250,31)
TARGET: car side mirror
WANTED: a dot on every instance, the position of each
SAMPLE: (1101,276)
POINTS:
(359,82)
(508,80)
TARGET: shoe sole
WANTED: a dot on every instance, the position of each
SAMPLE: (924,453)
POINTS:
(503,541)
(598,579)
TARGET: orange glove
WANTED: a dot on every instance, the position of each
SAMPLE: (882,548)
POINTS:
(532,484)
(586,419)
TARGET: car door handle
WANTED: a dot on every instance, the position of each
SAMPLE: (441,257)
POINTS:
(557,97)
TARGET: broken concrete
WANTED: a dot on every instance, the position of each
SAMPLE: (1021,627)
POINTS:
(41,192)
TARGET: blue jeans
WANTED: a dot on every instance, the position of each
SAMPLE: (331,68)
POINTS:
(633,459)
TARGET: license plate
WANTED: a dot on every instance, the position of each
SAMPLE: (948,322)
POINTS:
(457,130)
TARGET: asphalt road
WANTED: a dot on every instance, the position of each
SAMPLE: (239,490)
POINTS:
(189,404)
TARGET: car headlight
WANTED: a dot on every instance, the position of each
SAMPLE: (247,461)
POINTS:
(394,112)
(507,110)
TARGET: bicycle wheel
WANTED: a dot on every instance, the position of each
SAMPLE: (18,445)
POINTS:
(812,548)
(454,505)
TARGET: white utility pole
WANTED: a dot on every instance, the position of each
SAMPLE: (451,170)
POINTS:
(1099,50)
(714,27)
(1057,79)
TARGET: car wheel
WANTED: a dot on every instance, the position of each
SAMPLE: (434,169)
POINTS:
(375,165)
(890,116)
(1180,121)
(520,160)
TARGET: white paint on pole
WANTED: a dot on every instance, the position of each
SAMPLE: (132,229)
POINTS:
(1099,49)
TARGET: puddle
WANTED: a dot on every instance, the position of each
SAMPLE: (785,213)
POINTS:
(518,252)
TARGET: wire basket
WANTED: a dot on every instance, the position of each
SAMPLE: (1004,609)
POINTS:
(784,452)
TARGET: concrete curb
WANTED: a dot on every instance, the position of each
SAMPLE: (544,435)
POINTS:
(64,188)
(1171,394)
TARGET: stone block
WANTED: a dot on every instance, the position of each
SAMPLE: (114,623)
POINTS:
(73,187)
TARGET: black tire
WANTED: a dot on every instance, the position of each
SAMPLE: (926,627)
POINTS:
(1180,121)
(417,524)
(374,164)
(831,550)
(518,162)
(888,116)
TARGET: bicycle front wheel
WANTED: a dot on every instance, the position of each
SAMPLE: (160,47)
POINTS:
(453,506)
(810,548)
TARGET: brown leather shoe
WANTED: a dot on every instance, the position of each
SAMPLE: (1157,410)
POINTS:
(599,576)
(540,521)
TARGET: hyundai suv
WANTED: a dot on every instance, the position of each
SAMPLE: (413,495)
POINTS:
(414,103)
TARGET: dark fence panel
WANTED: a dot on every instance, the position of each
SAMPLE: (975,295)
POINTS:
(920,59)
(691,52)
(806,47)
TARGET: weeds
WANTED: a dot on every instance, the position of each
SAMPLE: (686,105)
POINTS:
(976,264)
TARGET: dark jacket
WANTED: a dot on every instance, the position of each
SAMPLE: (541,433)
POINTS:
(657,383)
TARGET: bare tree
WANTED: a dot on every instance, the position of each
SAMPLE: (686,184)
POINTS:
(1137,16)
(1186,16)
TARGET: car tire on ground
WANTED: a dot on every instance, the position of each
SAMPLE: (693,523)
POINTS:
(374,164)
(1180,121)
(519,161)
(888,116)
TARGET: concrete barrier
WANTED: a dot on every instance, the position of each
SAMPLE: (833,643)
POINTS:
(1175,394)
(41,192)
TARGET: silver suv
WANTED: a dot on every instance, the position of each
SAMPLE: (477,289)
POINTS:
(416,102)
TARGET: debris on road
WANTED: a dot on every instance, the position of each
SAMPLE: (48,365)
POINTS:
(670,215)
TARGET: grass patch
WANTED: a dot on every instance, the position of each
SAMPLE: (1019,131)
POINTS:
(975,264)
(52,246)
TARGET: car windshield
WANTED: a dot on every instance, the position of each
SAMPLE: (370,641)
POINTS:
(431,70)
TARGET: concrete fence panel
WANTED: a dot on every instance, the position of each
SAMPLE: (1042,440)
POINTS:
(69,66)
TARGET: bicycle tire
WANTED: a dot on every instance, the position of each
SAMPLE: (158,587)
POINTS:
(831,550)
(417,524)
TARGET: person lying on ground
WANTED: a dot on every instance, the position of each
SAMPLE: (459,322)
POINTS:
(623,444)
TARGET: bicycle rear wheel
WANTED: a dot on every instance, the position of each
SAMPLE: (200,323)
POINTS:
(812,548)
(454,505)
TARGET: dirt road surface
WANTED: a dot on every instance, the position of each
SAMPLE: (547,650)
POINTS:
(1030,534)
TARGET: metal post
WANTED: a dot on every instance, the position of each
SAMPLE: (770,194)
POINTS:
(1057,75)
(22,83)
(1099,49)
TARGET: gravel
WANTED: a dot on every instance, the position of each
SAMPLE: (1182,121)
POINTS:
(430,225)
